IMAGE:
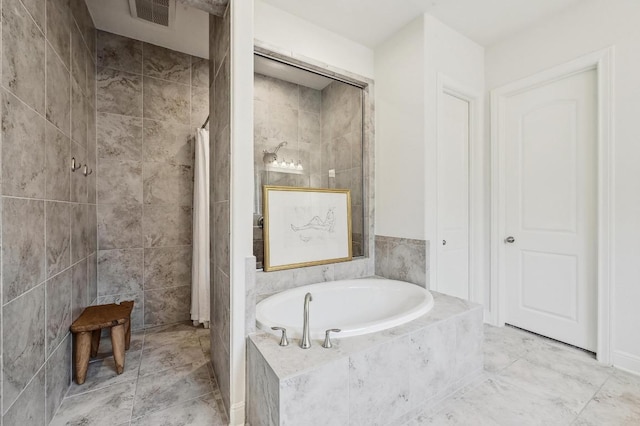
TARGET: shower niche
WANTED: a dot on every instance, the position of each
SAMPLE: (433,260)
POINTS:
(308,132)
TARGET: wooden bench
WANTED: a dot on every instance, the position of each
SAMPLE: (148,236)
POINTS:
(87,329)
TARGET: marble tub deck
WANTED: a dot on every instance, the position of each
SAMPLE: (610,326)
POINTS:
(375,379)
(168,380)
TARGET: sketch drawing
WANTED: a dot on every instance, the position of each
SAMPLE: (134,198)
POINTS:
(306,226)
(326,225)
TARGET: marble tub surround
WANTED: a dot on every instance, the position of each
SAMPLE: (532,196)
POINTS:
(47,220)
(372,379)
(149,100)
(167,380)
(402,259)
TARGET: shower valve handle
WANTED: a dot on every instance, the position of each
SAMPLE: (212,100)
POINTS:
(283,340)
(327,338)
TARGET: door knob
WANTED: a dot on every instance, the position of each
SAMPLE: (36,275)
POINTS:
(444,242)
(509,240)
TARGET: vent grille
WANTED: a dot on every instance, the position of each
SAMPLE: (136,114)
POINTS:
(155,11)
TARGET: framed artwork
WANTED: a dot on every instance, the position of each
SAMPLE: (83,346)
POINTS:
(305,226)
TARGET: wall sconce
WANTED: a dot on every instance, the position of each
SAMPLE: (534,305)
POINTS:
(270,159)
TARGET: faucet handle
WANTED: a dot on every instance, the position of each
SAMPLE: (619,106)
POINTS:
(327,338)
(283,341)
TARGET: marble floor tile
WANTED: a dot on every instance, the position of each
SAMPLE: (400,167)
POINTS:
(528,380)
(544,382)
(109,406)
(502,346)
(161,358)
(183,335)
(200,411)
(616,403)
(102,373)
(170,387)
(569,361)
(496,402)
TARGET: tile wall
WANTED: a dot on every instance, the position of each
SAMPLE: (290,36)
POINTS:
(342,149)
(285,112)
(323,130)
(402,259)
(220,183)
(48,212)
(149,102)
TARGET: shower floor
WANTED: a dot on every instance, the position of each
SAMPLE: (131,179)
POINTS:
(167,380)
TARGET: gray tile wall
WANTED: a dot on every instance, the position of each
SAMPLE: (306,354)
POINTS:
(323,130)
(285,112)
(48,225)
(220,182)
(402,259)
(150,100)
(342,150)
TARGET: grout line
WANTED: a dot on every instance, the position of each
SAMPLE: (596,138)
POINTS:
(25,387)
(591,399)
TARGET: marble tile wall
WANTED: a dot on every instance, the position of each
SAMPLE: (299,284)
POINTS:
(285,112)
(220,182)
(48,213)
(149,101)
(323,130)
(402,259)
(342,151)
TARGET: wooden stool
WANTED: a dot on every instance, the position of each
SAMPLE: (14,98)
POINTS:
(87,329)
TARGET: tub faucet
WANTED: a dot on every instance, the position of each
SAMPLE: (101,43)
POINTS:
(306,342)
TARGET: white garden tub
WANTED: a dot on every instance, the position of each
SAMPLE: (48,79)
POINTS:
(355,306)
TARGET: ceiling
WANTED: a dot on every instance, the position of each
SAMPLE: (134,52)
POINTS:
(289,73)
(370,22)
(189,32)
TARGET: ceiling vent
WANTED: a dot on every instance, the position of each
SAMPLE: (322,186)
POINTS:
(160,12)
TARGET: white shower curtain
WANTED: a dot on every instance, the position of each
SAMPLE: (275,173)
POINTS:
(200,264)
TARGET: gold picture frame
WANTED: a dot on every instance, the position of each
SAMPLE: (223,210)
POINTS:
(306,227)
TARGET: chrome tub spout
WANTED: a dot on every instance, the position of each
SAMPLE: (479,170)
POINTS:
(306,342)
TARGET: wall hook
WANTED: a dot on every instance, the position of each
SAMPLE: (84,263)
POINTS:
(87,171)
(74,164)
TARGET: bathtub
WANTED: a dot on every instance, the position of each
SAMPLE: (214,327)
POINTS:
(356,307)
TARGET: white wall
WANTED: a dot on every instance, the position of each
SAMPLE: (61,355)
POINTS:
(400,172)
(300,37)
(407,68)
(241,243)
(450,54)
(588,27)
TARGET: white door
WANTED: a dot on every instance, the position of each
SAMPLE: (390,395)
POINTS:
(452,273)
(551,211)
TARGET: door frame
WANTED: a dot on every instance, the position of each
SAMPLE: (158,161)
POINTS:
(602,62)
(447,85)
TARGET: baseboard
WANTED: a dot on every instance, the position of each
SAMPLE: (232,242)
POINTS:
(236,414)
(488,317)
(626,361)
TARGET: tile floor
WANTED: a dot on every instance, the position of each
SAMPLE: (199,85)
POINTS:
(531,380)
(167,381)
(528,380)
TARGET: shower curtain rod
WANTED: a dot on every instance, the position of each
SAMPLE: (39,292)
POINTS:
(205,122)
